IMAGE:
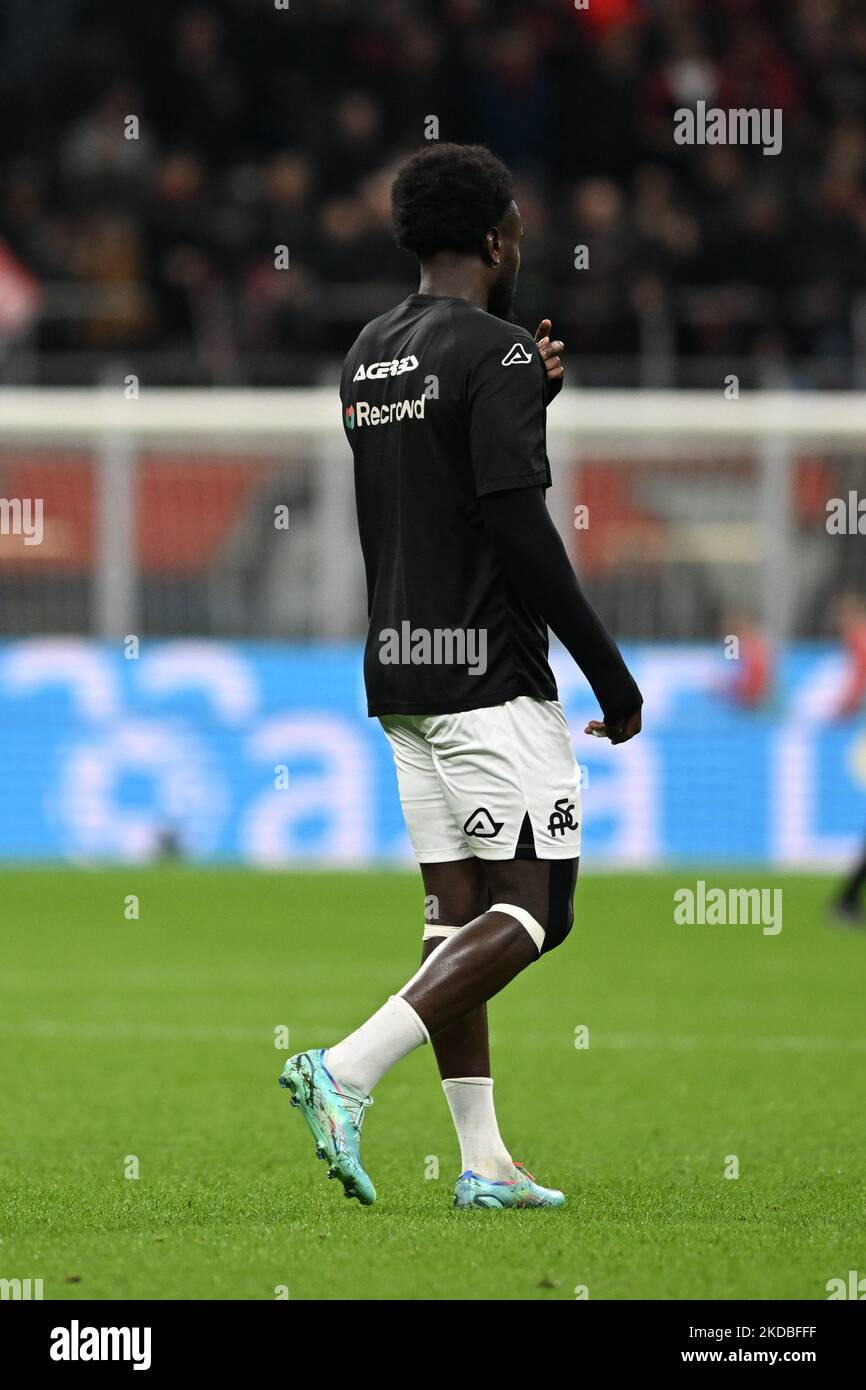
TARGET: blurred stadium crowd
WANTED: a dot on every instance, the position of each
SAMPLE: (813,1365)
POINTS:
(260,127)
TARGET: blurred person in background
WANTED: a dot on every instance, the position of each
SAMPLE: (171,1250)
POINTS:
(850,620)
(750,685)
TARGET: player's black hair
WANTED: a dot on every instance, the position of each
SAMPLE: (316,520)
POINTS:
(446,197)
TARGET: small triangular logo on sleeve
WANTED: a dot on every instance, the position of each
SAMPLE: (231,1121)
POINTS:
(516,355)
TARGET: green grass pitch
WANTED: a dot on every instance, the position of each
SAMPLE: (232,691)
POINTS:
(154,1038)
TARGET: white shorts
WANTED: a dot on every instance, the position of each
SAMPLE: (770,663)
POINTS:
(497,783)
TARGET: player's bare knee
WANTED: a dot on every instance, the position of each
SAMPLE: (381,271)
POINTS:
(526,919)
(559,925)
(538,894)
(560,904)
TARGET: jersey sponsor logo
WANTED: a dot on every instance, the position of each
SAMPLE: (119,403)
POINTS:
(363,413)
(482,825)
(517,356)
(377,370)
(561,818)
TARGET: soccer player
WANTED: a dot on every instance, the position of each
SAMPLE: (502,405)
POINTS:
(444,403)
(850,617)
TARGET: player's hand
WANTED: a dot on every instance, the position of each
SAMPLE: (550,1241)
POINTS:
(550,351)
(617,733)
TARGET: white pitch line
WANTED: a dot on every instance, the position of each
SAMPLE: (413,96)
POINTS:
(652,1042)
(599,1041)
(142,1032)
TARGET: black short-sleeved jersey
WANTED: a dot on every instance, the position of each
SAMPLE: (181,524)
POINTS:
(443,404)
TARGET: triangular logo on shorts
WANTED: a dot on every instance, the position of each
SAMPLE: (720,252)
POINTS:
(482,824)
(517,355)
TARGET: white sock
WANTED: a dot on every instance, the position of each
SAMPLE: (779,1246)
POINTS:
(388,1036)
(470,1099)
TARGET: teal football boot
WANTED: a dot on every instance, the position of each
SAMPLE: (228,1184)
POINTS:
(334,1114)
(522,1190)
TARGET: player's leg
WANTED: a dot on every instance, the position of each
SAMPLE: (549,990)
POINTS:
(332,1088)
(460,974)
(521,754)
(847,905)
(513,771)
(455,894)
(361,1059)
(532,907)
(470,967)
(543,891)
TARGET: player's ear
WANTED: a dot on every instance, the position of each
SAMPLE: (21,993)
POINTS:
(493,246)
